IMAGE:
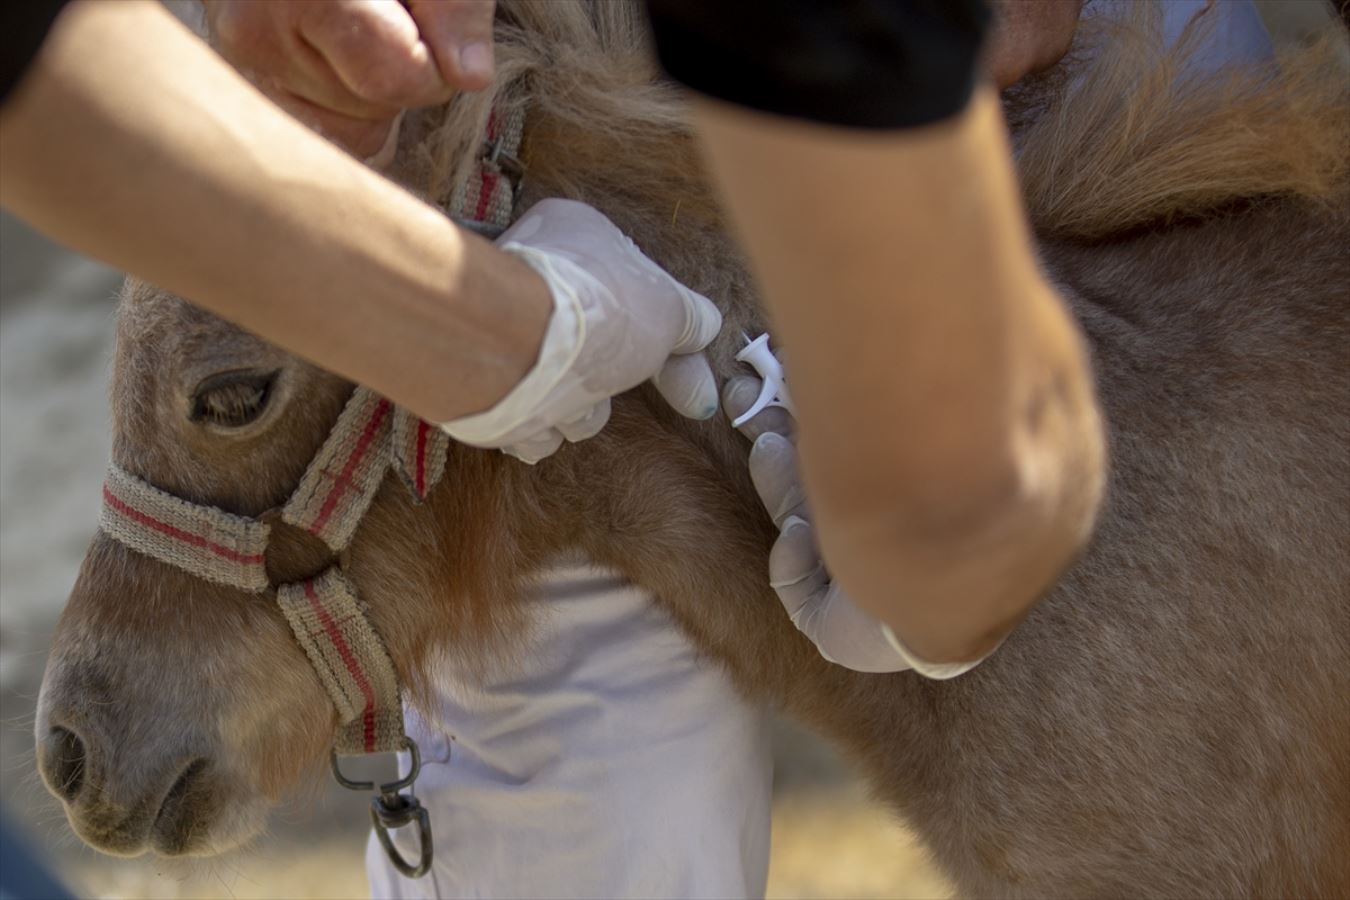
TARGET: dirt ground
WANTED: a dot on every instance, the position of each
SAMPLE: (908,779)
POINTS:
(56,317)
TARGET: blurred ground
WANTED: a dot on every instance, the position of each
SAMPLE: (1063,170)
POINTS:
(56,316)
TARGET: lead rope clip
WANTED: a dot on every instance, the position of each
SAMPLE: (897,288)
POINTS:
(391,810)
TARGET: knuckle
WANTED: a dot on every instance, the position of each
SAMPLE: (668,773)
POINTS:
(372,62)
(236,29)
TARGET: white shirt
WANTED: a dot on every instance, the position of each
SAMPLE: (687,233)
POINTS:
(608,760)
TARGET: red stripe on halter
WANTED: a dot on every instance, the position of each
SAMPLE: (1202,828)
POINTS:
(344,480)
(488,184)
(421,467)
(186,537)
(350,661)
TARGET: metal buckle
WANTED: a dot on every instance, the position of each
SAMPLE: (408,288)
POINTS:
(392,787)
(483,229)
(391,810)
(510,165)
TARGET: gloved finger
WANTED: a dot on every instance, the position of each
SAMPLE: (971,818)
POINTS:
(796,572)
(536,447)
(588,424)
(740,394)
(688,385)
(773,469)
(702,322)
(459,34)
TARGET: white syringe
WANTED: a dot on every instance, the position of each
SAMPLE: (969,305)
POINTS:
(757,354)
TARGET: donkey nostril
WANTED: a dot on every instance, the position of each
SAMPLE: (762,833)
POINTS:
(66,755)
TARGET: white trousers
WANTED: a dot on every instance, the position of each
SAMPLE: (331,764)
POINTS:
(608,760)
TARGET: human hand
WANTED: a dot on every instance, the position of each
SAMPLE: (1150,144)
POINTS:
(844,633)
(1029,36)
(348,68)
(618,320)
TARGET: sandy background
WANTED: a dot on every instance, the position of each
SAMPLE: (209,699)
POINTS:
(56,316)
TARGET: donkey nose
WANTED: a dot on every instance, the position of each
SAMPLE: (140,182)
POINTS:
(62,760)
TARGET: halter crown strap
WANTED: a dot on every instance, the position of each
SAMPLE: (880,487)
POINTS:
(486,199)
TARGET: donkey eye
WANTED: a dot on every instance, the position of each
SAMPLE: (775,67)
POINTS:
(231,399)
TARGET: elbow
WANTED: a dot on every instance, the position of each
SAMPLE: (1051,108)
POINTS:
(953,557)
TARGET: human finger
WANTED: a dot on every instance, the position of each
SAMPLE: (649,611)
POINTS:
(536,447)
(740,394)
(773,469)
(688,385)
(796,572)
(1028,36)
(375,50)
(459,33)
(702,319)
(588,424)
(364,138)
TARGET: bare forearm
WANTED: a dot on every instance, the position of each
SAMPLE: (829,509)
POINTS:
(949,435)
(198,184)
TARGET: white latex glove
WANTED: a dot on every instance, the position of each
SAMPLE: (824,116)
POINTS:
(842,632)
(618,320)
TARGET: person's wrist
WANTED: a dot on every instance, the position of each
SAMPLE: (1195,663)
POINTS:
(557,352)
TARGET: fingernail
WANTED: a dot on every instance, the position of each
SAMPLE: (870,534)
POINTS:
(768,439)
(793,523)
(705,399)
(476,59)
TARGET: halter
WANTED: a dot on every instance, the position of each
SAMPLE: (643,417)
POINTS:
(329,620)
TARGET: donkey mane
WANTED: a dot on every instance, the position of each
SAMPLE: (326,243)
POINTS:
(1124,134)
(1128,136)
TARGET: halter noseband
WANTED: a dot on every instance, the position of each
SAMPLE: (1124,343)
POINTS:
(328,618)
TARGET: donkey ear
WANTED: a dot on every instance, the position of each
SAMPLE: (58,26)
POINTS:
(419,453)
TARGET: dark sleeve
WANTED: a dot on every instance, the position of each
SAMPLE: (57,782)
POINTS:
(855,63)
(23,26)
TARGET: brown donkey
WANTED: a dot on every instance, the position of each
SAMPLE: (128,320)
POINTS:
(1172,720)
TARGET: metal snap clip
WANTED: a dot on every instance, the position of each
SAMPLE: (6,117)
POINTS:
(391,810)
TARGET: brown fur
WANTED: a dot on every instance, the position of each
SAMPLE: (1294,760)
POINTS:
(1170,721)
(1143,140)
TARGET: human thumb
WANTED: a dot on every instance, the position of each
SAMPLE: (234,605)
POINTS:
(459,34)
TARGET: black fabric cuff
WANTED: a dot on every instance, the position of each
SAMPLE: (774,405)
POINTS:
(882,64)
(23,27)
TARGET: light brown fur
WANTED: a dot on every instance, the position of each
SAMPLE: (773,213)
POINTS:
(1169,721)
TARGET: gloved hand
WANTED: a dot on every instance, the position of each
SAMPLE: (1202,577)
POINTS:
(842,632)
(618,319)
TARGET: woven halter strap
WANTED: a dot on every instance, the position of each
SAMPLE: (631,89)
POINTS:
(485,202)
(329,620)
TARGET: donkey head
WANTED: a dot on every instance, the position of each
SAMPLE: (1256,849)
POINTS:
(175,711)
